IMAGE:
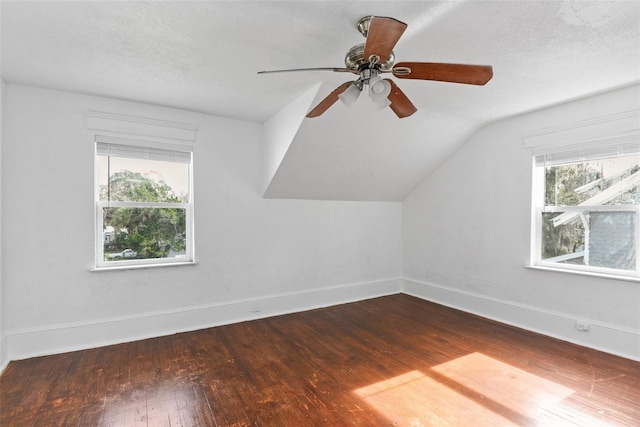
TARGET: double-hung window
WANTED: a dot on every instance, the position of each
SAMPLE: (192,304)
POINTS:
(586,206)
(144,203)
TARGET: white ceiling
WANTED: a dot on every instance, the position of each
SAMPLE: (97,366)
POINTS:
(203,56)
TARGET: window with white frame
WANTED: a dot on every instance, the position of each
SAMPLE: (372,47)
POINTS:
(144,203)
(586,205)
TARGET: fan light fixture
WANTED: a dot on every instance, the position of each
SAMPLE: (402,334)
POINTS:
(379,90)
(376,56)
(350,96)
(382,104)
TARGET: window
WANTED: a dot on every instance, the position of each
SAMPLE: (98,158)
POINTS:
(144,209)
(586,209)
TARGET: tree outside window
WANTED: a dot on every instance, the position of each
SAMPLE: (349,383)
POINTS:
(588,215)
(144,206)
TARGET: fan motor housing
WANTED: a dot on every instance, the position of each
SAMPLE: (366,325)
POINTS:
(354,60)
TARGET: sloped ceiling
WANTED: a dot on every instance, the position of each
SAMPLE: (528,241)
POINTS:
(203,56)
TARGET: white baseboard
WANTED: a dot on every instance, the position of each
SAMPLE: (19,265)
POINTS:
(22,344)
(62,338)
(621,341)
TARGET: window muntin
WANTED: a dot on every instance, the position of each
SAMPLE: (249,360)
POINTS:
(144,205)
(586,210)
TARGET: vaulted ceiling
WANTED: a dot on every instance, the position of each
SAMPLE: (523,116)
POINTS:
(204,56)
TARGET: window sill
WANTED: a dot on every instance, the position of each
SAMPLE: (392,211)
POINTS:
(142,266)
(586,273)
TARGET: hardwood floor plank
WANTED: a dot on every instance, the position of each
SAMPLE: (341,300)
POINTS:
(391,361)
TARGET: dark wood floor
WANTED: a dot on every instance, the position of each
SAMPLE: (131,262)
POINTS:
(391,361)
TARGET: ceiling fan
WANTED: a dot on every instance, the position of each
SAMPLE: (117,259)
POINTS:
(375,57)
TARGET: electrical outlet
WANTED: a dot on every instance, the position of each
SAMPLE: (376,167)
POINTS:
(582,326)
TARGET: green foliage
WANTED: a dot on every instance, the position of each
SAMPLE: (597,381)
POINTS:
(562,240)
(561,183)
(151,232)
(127,186)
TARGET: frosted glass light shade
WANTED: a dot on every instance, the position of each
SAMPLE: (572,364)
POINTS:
(381,103)
(379,89)
(350,95)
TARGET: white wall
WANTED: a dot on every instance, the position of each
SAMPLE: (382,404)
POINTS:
(463,235)
(256,257)
(280,130)
(466,233)
(3,349)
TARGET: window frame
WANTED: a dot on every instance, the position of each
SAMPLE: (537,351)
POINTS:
(539,208)
(100,263)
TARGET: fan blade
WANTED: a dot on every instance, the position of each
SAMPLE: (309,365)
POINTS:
(336,69)
(382,36)
(454,73)
(400,104)
(329,100)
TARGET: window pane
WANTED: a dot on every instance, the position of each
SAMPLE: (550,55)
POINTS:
(604,182)
(141,180)
(609,239)
(562,242)
(144,233)
(612,240)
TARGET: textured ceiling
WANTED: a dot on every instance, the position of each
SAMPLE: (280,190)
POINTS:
(203,56)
